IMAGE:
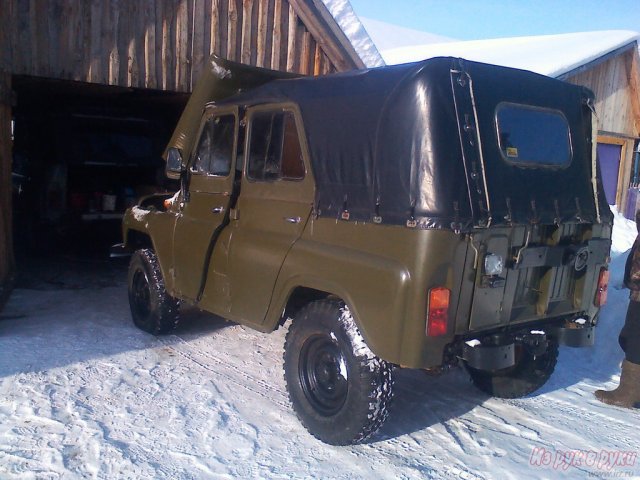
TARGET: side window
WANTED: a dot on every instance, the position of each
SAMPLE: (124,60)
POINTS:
(215,147)
(274,148)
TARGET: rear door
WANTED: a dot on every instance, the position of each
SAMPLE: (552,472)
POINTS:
(525,143)
(204,210)
(273,208)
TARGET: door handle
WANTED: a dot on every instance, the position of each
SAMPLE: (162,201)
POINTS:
(217,210)
(292,219)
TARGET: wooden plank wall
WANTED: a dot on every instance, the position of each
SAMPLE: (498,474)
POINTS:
(615,85)
(610,82)
(158,44)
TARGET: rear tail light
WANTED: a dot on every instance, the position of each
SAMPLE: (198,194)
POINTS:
(437,313)
(603,285)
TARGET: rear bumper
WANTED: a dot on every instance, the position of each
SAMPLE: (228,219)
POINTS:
(497,350)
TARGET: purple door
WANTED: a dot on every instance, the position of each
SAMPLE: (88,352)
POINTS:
(609,157)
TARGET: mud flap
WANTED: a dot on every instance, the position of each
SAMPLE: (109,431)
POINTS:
(488,357)
(571,336)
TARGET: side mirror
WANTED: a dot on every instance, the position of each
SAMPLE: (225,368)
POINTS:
(175,165)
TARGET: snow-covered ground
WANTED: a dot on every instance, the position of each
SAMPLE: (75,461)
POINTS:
(83,394)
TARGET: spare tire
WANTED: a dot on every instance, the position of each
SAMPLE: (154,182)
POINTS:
(529,373)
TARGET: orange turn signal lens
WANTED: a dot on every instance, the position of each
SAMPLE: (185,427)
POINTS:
(438,311)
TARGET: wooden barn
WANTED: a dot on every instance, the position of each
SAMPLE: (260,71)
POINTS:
(615,79)
(90,91)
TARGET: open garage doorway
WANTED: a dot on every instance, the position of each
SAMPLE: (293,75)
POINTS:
(82,153)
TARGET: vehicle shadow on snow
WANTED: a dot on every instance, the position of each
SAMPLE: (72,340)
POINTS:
(422,401)
(45,329)
(195,323)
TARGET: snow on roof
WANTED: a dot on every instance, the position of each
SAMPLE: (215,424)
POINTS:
(350,24)
(386,35)
(551,55)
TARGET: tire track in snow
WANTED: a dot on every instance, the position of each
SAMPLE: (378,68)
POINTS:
(228,371)
(558,411)
(387,448)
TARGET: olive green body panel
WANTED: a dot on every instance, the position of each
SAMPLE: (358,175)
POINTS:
(158,227)
(532,291)
(216,295)
(195,227)
(265,222)
(383,273)
(203,213)
(260,239)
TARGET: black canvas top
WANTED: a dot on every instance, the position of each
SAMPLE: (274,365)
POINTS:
(405,144)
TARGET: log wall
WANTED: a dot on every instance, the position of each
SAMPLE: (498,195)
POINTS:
(163,44)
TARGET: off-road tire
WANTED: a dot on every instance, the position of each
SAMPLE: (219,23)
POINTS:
(525,377)
(323,345)
(152,308)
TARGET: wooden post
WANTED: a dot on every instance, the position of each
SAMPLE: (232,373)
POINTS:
(7,262)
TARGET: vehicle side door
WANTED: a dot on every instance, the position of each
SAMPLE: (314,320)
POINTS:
(274,206)
(205,204)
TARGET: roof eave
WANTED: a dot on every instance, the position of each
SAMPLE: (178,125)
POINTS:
(597,61)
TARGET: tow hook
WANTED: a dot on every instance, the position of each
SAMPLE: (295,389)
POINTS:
(535,342)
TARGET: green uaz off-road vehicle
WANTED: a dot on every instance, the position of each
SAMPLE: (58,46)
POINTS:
(423,215)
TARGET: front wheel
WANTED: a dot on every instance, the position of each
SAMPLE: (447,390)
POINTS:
(339,389)
(528,374)
(152,308)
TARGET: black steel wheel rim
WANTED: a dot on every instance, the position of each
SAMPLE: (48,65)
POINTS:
(140,295)
(323,374)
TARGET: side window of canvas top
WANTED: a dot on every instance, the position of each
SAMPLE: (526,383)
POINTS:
(215,147)
(274,147)
(532,136)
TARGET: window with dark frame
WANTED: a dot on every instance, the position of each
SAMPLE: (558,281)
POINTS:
(533,136)
(274,148)
(215,147)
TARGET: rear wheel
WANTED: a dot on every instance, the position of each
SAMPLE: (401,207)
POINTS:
(528,374)
(152,308)
(339,389)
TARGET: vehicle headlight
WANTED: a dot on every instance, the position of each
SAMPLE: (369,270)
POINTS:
(493,264)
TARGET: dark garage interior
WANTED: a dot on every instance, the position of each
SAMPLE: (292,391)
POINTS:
(82,154)
(89,95)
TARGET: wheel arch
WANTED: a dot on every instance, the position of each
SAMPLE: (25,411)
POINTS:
(154,230)
(136,239)
(299,292)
